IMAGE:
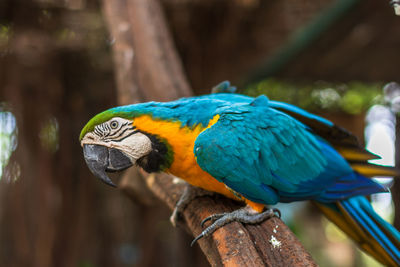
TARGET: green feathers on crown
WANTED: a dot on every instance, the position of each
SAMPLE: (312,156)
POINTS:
(103,117)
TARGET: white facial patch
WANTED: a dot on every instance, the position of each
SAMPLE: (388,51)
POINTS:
(119,133)
(135,146)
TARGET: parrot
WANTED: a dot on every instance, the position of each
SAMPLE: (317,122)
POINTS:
(254,150)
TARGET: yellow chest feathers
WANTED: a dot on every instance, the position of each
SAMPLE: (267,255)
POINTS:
(181,140)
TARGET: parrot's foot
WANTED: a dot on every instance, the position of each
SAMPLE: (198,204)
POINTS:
(189,194)
(243,215)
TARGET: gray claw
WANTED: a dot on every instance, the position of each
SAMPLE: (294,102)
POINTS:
(243,215)
(189,194)
(176,216)
(212,218)
(197,238)
(278,212)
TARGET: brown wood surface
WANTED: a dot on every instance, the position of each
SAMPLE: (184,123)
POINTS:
(147,68)
(270,243)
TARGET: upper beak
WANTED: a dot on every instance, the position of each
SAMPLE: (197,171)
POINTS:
(100,159)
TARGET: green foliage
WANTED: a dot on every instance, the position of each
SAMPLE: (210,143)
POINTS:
(5,35)
(49,135)
(351,98)
(86,263)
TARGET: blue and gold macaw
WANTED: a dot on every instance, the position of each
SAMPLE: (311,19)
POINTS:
(249,149)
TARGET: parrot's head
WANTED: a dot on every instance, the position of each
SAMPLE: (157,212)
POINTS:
(111,142)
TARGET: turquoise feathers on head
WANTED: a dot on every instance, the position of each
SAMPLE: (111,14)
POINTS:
(189,111)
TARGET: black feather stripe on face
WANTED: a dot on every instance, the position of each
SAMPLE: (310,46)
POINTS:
(160,157)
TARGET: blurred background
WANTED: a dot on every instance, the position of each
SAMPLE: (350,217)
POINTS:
(331,57)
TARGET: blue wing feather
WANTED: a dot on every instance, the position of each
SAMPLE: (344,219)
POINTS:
(263,150)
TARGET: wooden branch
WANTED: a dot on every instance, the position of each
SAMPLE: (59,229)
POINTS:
(147,68)
(270,243)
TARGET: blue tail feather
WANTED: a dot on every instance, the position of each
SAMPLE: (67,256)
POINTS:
(362,212)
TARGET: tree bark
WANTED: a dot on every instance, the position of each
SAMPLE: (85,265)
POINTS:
(270,243)
(148,68)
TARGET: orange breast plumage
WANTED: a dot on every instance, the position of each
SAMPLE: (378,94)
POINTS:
(181,140)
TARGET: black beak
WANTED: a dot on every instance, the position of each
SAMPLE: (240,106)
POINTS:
(100,159)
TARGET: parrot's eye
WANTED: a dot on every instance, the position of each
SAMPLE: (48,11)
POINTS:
(114,124)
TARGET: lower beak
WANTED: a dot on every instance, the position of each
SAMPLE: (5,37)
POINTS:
(101,159)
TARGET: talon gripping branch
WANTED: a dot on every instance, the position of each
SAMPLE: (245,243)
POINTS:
(253,150)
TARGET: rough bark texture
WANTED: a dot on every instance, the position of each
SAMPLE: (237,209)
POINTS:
(146,62)
(270,243)
(148,68)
